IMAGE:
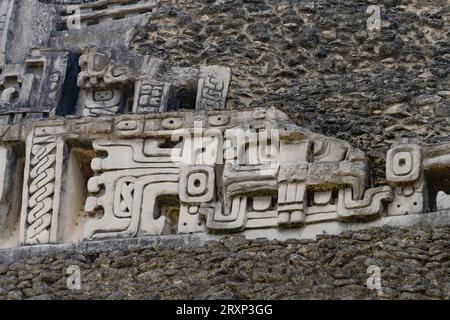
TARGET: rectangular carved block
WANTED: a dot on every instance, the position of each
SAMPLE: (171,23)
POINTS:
(151,96)
(144,180)
(42,186)
(41,87)
(213,87)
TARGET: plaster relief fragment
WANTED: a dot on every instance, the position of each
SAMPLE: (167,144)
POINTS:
(213,87)
(193,172)
(128,189)
(442,201)
(151,95)
(104,85)
(405,173)
(372,204)
(10,85)
(41,87)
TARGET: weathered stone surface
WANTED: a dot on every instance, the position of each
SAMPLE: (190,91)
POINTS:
(103,104)
(298,178)
(333,267)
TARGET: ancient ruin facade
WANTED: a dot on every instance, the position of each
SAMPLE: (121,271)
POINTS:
(100,142)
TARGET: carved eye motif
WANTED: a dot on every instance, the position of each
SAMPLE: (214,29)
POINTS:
(197,184)
(172,123)
(219,120)
(44,131)
(403,163)
(127,125)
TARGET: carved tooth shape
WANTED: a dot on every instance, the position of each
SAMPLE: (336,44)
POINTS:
(442,201)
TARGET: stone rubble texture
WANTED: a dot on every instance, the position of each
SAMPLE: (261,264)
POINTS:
(187,117)
(414,265)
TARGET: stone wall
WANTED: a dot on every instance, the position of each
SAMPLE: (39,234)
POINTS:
(414,263)
(318,61)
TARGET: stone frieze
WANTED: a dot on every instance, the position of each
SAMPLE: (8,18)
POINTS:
(201,171)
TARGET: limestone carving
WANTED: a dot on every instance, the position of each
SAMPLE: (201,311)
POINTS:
(371,204)
(212,88)
(407,166)
(266,179)
(202,171)
(120,144)
(131,172)
(442,201)
(161,87)
(10,83)
(102,84)
(146,85)
(151,95)
(404,171)
(42,186)
(40,87)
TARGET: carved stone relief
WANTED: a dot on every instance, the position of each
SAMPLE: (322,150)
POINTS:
(208,171)
(164,88)
(154,151)
(42,186)
(128,183)
(151,95)
(271,174)
(442,201)
(102,83)
(10,85)
(404,172)
(147,85)
(407,166)
(212,88)
(38,88)
(109,82)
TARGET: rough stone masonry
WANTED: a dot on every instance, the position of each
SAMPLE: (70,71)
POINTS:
(224,149)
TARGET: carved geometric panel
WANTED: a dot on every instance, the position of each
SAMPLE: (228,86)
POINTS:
(42,186)
(403,163)
(213,88)
(197,184)
(162,174)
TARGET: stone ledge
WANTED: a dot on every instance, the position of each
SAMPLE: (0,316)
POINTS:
(428,220)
